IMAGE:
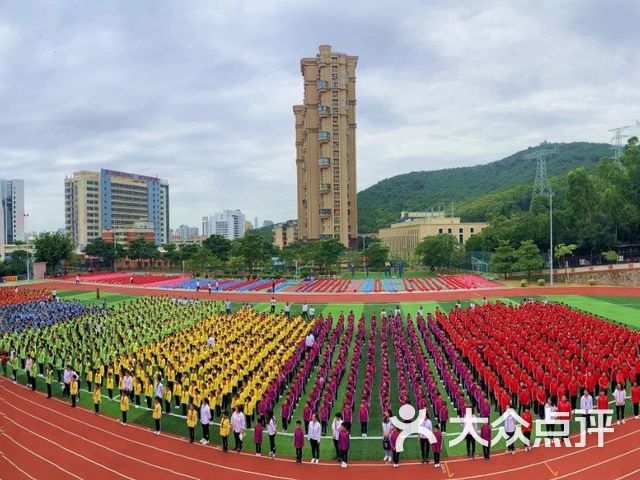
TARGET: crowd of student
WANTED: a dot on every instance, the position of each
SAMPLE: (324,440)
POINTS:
(12,295)
(186,356)
(19,317)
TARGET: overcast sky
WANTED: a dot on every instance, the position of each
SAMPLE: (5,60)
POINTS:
(200,92)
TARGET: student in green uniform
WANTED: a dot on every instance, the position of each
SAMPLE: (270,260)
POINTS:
(48,377)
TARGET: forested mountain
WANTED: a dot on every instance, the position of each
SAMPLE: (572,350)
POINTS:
(500,187)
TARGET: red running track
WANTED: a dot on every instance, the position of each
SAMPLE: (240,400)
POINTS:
(386,297)
(49,440)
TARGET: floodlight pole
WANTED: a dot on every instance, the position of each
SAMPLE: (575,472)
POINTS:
(26,237)
(551,237)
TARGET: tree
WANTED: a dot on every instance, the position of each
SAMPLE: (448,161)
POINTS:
(252,248)
(171,254)
(53,248)
(437,251)
(203,261)
(16,263)
(610,256)
(560,252)
(377,253)
(528,258)
(104,250)
(327,252)
(137,249)
(218,246)
(502,259)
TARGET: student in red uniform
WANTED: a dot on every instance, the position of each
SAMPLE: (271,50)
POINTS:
(485,434)
(298,441)
(603,404)
(635,399)
(257,438)
(437,446)
(564,412)
(526,429)
(393,441)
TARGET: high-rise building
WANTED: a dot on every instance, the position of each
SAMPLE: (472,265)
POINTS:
(285,233)
(326,148)
(185,232)
(267,223)
(11,211)
(110,200)
(228,223)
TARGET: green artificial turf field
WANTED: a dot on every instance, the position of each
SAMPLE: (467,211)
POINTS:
(618,309)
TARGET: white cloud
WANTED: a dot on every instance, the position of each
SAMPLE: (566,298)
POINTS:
(201,94)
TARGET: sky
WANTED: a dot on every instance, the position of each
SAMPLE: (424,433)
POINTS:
(201,92)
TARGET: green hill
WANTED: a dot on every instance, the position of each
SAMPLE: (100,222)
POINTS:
(471,188)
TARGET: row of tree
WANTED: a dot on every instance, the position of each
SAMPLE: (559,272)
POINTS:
(596,210)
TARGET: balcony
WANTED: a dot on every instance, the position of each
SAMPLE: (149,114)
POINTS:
(324,162)
(322,84)
(323,111)
(325,212)
(325,187)
(324,136)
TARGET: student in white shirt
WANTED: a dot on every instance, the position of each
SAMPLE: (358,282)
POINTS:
(335,432)
(305,311)
(620,396)
(315,432)
(586,404)
(272,429)
(386,430)
(205,418)
(425,446)
(238,425)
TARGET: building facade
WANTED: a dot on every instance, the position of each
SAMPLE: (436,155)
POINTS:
(228,223)
(325,127)
(403,237)
(110,200)
(285,233)
(185,232)
(124,237)
(11,211)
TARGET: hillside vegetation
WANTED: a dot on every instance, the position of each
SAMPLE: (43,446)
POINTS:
(501,187)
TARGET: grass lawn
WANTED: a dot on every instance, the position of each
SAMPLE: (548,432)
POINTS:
(619,309)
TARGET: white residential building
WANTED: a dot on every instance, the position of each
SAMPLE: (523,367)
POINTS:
(229,224)
(11,211)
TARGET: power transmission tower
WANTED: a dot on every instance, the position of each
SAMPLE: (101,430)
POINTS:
(541,185)
(618,146)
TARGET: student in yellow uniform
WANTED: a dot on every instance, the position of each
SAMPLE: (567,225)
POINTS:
(137,390)
(184,400)
(48,376)
(192,419)
(167,400)
(97,397)
(225,429)
(110,385)
(177,392)
(124,408)
(157,415)
(73,390)
(148,391)
(97,377)
(89,378)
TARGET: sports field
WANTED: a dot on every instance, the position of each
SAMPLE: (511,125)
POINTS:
(618,309)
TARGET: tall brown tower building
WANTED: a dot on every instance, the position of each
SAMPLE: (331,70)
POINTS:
(326,148)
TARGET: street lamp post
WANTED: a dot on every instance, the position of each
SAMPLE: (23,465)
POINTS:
(26,237)
(551,237)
